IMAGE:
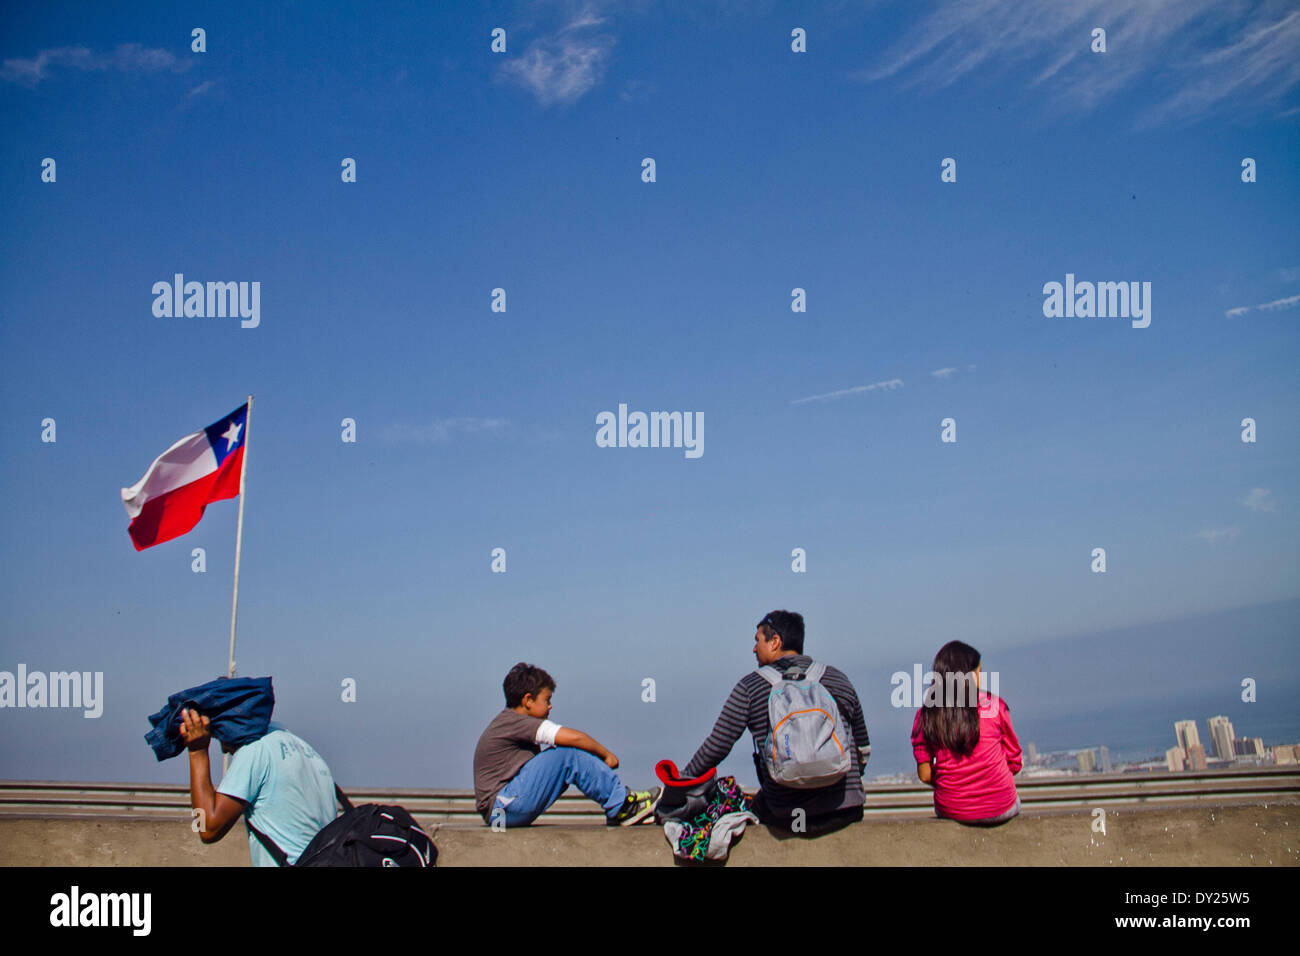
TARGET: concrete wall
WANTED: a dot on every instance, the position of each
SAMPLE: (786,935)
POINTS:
(1191,836)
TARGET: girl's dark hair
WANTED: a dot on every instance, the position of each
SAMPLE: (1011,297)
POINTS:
(525,679)
(950,716)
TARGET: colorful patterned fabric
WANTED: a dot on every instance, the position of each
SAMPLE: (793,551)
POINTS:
(709,835)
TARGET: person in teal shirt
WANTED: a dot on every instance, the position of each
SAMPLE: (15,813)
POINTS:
(278,781)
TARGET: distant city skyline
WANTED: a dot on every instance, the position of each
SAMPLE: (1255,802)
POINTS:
(1097,758)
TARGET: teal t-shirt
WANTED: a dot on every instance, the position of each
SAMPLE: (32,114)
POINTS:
(289,791)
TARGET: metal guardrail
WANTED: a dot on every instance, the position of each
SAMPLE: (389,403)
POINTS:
(127,801)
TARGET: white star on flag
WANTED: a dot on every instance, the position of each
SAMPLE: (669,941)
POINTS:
(231,435)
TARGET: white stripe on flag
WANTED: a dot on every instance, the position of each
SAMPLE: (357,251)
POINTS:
(188,460)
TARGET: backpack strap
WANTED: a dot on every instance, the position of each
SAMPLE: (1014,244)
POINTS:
(773,677)
(281,858)
(814,671)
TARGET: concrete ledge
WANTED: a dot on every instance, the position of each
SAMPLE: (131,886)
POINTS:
(162,802)
(1267,835)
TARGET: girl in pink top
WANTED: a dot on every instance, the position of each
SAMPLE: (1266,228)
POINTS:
(966,750)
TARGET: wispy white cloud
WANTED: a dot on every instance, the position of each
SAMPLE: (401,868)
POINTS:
(1267,306)
(943,372)
(892,384)
(562,67)
(1196,55)
(1289,273)
(126,58)
(636,91)
(1260,499)
(443,429)
(202,88)
(1214,535)
(1262,62)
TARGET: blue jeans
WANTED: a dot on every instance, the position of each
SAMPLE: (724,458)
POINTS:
(540,782)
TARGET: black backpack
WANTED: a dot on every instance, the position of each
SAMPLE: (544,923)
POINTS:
(368,835)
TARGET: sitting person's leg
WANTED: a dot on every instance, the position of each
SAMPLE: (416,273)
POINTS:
(804,824)
(999,819)
(765,815)
(540,782)
(836,820)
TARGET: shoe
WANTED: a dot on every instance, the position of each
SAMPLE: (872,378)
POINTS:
(638,805)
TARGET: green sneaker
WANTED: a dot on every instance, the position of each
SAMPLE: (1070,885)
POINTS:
(638,805)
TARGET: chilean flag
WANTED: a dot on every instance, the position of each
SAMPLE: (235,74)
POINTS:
(196,471)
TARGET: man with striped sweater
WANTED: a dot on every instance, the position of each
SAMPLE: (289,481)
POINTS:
(778,642)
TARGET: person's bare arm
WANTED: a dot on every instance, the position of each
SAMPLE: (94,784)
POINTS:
(568,737)
(925,773)
(217,812)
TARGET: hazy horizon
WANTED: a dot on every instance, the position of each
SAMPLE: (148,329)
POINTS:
(1054,713)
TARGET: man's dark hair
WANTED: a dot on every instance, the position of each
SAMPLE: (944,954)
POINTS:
(786,623)
(525,679)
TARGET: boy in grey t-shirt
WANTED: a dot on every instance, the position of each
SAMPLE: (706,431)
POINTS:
(523,761)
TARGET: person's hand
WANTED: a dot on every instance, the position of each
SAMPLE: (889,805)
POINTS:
(611,761)
(194,730)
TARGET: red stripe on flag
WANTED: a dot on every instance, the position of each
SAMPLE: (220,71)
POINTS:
(172,514)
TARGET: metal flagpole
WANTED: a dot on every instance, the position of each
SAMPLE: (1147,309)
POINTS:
(239,540)
(239,535)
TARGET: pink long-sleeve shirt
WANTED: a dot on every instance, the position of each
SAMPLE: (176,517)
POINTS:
(979,785)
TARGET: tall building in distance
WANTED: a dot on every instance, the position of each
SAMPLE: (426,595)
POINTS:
(1221,736)
(1196,758)
(1185,731)
(1248,746)
(1031,752)
(1105,759)
(1176,759)
(1087,761)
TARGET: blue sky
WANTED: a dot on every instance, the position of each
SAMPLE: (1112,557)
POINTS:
(476,429)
